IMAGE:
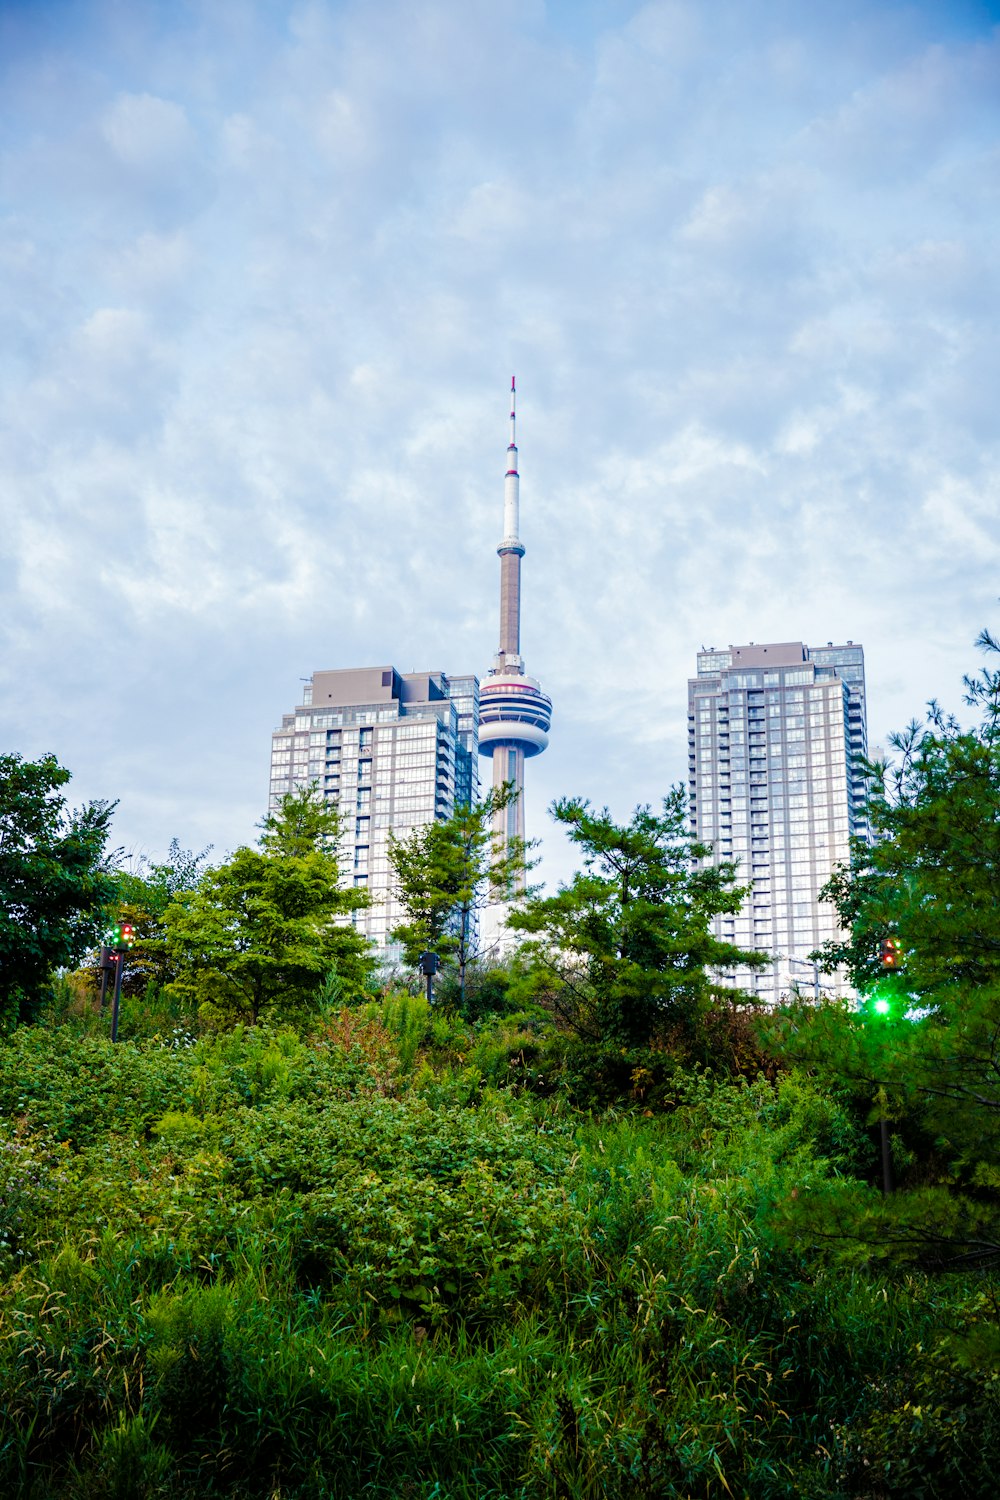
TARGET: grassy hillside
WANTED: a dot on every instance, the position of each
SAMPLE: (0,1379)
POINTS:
(394,1258)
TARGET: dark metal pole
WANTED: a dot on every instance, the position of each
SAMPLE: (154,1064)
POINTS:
(119,970)
(887,1182)
(428,967)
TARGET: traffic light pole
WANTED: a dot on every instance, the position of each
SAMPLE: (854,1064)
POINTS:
(119,940)
(119,970)
(888,1185)
(107,964)
(891,958)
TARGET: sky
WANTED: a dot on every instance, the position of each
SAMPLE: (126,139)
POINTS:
(266,270)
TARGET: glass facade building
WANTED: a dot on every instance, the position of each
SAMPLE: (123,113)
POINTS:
(392,750)
(775,737)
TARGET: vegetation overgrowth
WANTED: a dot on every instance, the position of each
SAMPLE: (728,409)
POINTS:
(390,1255)
(590,1227)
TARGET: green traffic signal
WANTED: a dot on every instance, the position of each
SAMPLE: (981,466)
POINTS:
(888,1000)
(121,935)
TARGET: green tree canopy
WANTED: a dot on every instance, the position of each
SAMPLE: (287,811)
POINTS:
(304,823)
(55,884)
(143,894)
(262,933)
(925,1042)
(626,950)
(446,873)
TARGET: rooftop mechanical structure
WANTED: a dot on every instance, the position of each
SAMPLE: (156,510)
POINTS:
(514,713)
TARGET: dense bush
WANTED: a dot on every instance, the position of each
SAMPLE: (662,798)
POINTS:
(361,1263)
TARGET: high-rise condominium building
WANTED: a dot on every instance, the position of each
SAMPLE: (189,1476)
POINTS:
(775,736)
(391,750)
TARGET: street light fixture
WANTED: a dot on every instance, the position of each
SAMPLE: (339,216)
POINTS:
(429,966)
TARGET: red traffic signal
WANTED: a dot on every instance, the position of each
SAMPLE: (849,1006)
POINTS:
(121,936)
(890,953)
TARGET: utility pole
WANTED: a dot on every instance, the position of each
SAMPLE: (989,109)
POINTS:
(810,963)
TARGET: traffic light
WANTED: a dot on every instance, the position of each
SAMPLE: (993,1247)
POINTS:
(884,1002)
(127,938)
(890,953)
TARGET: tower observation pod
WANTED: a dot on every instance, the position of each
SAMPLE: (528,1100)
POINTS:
(514,713)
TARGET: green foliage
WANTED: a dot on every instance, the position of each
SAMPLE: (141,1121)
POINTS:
(303,823)
(481,991)
(77,1093)
(264,1264)
(448,871)
(625,950)
(383,1252)
(924,1050)
(262,932)
(929,877)
(407,1018)
(54,885)
(144,894)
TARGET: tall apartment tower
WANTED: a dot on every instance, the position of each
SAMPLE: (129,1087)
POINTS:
(514,713)
(392,750)
(775,736)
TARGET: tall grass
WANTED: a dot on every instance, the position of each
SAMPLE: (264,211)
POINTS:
(254,1266)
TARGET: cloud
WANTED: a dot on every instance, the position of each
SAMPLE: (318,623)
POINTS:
(267,272)
(147,134)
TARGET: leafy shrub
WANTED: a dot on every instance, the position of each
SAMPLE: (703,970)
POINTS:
(263,1263)
(32,1172)
(406,1018)
(78,1092)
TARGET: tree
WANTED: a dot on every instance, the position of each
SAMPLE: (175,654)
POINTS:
(305,823)
(446,873)
(925,1044)
(627,949)
(266,930)
(143,894)
(55,884)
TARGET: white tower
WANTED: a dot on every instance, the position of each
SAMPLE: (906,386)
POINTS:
(514,713)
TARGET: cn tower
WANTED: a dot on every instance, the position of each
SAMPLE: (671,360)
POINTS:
(514,713)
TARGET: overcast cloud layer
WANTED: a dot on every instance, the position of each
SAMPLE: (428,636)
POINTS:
(266,270)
